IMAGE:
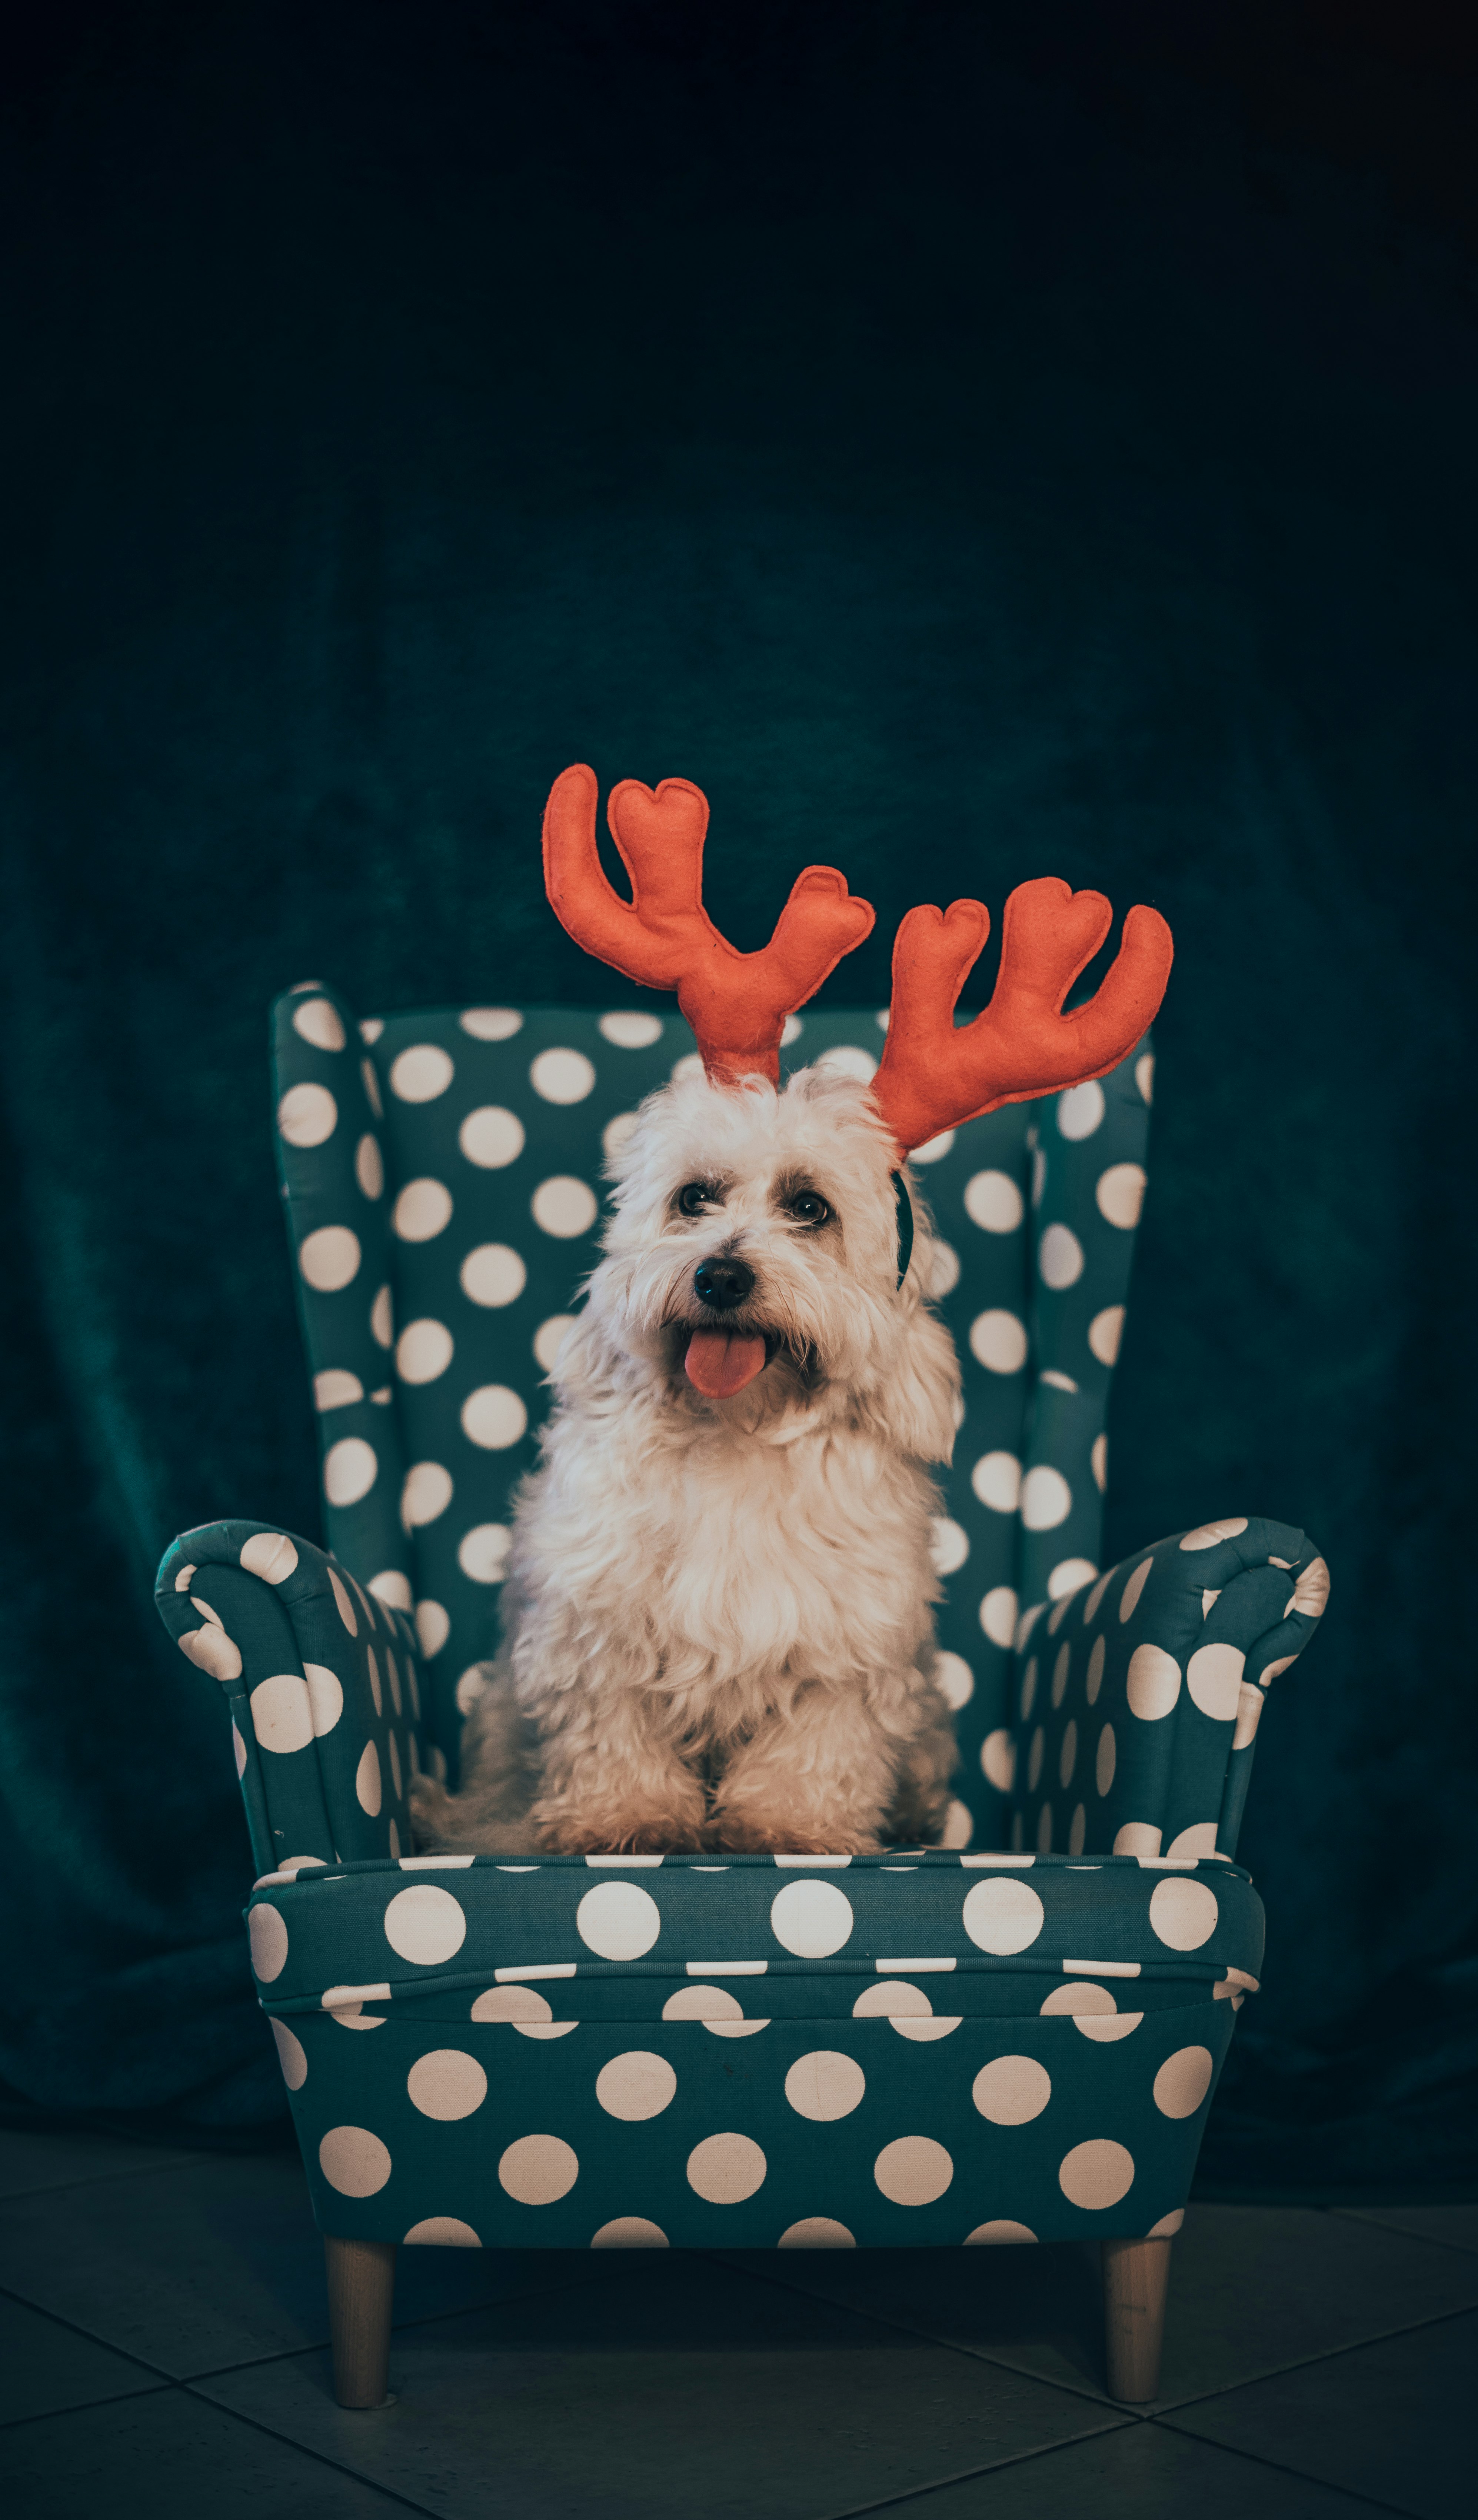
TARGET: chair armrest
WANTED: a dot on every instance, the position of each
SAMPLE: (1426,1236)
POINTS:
(1139,1695)
(322,1682)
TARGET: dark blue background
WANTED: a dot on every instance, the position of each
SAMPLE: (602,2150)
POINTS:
(970,452)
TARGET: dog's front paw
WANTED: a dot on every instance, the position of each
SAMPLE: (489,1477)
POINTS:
(738,1837)
(558,1834)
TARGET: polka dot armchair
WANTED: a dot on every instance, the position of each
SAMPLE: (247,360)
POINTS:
(1011,2040)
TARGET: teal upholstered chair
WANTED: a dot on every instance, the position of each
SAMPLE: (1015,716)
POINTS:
(1013,2039)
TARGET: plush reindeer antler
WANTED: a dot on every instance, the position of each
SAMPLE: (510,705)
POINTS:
(736,1003)
(934,1077)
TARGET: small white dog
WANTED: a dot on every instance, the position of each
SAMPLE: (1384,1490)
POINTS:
(718,1607)
(717,1617)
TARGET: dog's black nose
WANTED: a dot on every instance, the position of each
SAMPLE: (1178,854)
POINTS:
(723,1283)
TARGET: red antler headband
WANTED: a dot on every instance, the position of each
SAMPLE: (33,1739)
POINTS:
(933,1075)
(936,1075)
(663,937)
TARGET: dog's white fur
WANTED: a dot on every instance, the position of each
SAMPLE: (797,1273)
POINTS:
(717,1617)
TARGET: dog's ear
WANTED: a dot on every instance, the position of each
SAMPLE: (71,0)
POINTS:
(917,1402)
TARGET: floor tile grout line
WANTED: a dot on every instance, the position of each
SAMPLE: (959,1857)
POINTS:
(145,2170)
(1088,2395)
(1117,2417)
(1373,2221)
(1053,2449)
(947,2344)
(538,2288)
(87,2405)
(1280,2467)
(401,2327)
(358,2475)
(1167,2408)
(998,2362)
(90,2335)
(90,2178)
(277,2354)
(991,2467)
(1078,2389)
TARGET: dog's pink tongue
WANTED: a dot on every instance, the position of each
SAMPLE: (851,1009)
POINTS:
(719,1365)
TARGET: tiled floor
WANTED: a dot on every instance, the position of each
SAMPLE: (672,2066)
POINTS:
(161,2352)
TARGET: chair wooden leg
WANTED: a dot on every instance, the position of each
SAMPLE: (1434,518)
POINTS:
(361,2277)
(1136,2274)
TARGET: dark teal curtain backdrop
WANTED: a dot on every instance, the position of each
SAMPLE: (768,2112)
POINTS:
(969,457)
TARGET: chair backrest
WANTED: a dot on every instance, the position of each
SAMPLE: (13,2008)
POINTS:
(442,1178)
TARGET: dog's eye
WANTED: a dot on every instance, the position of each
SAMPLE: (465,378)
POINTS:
(695,1197)
(807,1207)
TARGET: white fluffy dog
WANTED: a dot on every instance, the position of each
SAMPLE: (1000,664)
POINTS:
(717,1619)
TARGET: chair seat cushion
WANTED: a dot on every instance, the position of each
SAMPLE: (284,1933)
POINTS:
(753,2052)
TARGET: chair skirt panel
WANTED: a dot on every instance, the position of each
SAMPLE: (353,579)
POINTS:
(442,1178)
(531,2056)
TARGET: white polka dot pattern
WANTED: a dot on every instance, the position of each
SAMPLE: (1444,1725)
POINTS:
(824,2085)
(950,1546)
(538,2168)
(913,2170)
(1183,2081)
(563,1206)
(490,1024)
(1003,1916)
(329,1258)
(1060,1257)
(1183,1913)
(618,1921)
(1081,1110)
(491,1137)
(493,1274)
(268,1936)
(1096,2175)
(422,1210)
(307,1114)
(636,2084)
(562,1075)
(354,2161)
(369,1166)
(1012,2090)
(726,2169)
(421,1073)
(446,2084)
(425,1925)
(442,2231)
(350,1468)
(812,1918)
(318,1021)
(631,1031)
(291,2056)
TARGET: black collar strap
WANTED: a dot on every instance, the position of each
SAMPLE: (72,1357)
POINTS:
(906,1225)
